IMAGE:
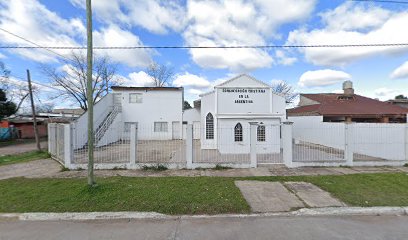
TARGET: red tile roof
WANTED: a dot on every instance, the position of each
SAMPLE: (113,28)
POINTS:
(329,104)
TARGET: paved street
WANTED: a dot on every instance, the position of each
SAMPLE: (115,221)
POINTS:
(339,227)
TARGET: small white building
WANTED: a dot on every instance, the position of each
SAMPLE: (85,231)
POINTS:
(155,111)
(222,117)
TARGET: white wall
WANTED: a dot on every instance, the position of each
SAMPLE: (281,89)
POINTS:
(114,132)
(101,110)
(226,137)
(380,140)
(156,106)
(191,115)
(374,140)
(312,129)
(208,106)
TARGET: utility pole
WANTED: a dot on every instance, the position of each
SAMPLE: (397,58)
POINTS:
(30,90)
(89,93)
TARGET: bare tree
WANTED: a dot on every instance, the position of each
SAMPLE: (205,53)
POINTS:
(72,79)
(286,90)
(160,74)
(4,76)
(17,91)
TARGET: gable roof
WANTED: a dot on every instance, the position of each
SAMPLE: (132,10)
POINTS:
(241,76)
(329,104)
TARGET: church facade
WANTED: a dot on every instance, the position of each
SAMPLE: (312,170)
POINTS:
(222,117)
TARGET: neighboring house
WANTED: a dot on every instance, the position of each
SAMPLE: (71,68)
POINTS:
(23,124)
(399,102)
(223,116)
(25,127)
(155,111)
(348,107)
(69,111)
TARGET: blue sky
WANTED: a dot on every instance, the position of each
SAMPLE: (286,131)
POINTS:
(376,72)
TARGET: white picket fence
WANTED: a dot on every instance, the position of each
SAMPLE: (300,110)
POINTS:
(303,143)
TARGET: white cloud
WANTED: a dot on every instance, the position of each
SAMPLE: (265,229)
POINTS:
(400,72)
(283,59)
(2,55)
(195,92)
(223,23)
(351,16)
(385,93)
(321,78)
(45,28)
(381,92)
(138,79)
(343,28)
(190,80)
(157,16)
(115,36)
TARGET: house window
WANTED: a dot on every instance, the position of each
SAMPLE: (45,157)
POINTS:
(128,124)
(160,127)
(260,133)
(117,99)
(238,132)
(135,98)
(209,126)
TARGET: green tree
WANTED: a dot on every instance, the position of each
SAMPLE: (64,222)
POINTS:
(401,97)
(7,108)
(186,105)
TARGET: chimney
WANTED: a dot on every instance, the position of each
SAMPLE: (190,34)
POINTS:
(348,88)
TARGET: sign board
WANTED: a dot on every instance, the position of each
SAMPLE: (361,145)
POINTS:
(243,100)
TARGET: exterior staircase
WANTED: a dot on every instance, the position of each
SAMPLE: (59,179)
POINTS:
(104,126)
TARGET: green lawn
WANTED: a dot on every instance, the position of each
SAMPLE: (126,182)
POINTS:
(171,195)
(184,195)
(23,157)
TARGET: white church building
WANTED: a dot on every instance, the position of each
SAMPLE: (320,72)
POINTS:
(222,117)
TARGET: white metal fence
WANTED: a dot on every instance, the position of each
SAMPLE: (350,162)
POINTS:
(300,144)
(318,143)
(56,144)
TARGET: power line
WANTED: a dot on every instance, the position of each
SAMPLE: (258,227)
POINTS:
(33,43)
(381,1)
(21,79)
(214,47)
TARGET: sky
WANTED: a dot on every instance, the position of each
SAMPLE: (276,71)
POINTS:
(377,72)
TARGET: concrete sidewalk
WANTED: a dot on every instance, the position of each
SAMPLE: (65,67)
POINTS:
(274,170)
(50,168)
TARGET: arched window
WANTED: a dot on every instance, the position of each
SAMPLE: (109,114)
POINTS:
(209,126)
(238,132)
(260,133)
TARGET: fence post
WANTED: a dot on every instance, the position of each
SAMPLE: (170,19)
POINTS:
(189,146)
(348,144)
(252,143)
(406,141)
(67,145)
(287,143)
(133,145)
(49,137)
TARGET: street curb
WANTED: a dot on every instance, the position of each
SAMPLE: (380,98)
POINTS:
(82,216)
